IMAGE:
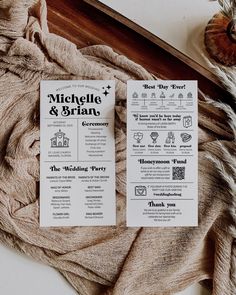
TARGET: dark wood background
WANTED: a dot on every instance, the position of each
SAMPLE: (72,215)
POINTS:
(84,25)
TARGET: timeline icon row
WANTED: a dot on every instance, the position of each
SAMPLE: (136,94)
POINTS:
(135,95)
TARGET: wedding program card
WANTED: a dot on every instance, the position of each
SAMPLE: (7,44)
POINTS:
(162,153)
(77,161)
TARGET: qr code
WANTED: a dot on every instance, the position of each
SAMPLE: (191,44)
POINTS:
(178,173)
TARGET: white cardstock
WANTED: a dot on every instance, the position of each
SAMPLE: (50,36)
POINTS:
(162,153)
(77,161)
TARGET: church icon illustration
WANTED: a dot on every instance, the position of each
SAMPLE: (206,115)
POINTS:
(60,140)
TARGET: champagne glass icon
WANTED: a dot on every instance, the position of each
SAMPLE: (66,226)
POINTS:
(138,136)
(154,135)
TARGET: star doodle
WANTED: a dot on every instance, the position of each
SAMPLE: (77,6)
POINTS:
(105,92)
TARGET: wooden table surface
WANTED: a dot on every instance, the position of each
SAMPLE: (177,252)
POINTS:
(85,25)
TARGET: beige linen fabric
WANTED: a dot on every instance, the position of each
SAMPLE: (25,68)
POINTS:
(106,260)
